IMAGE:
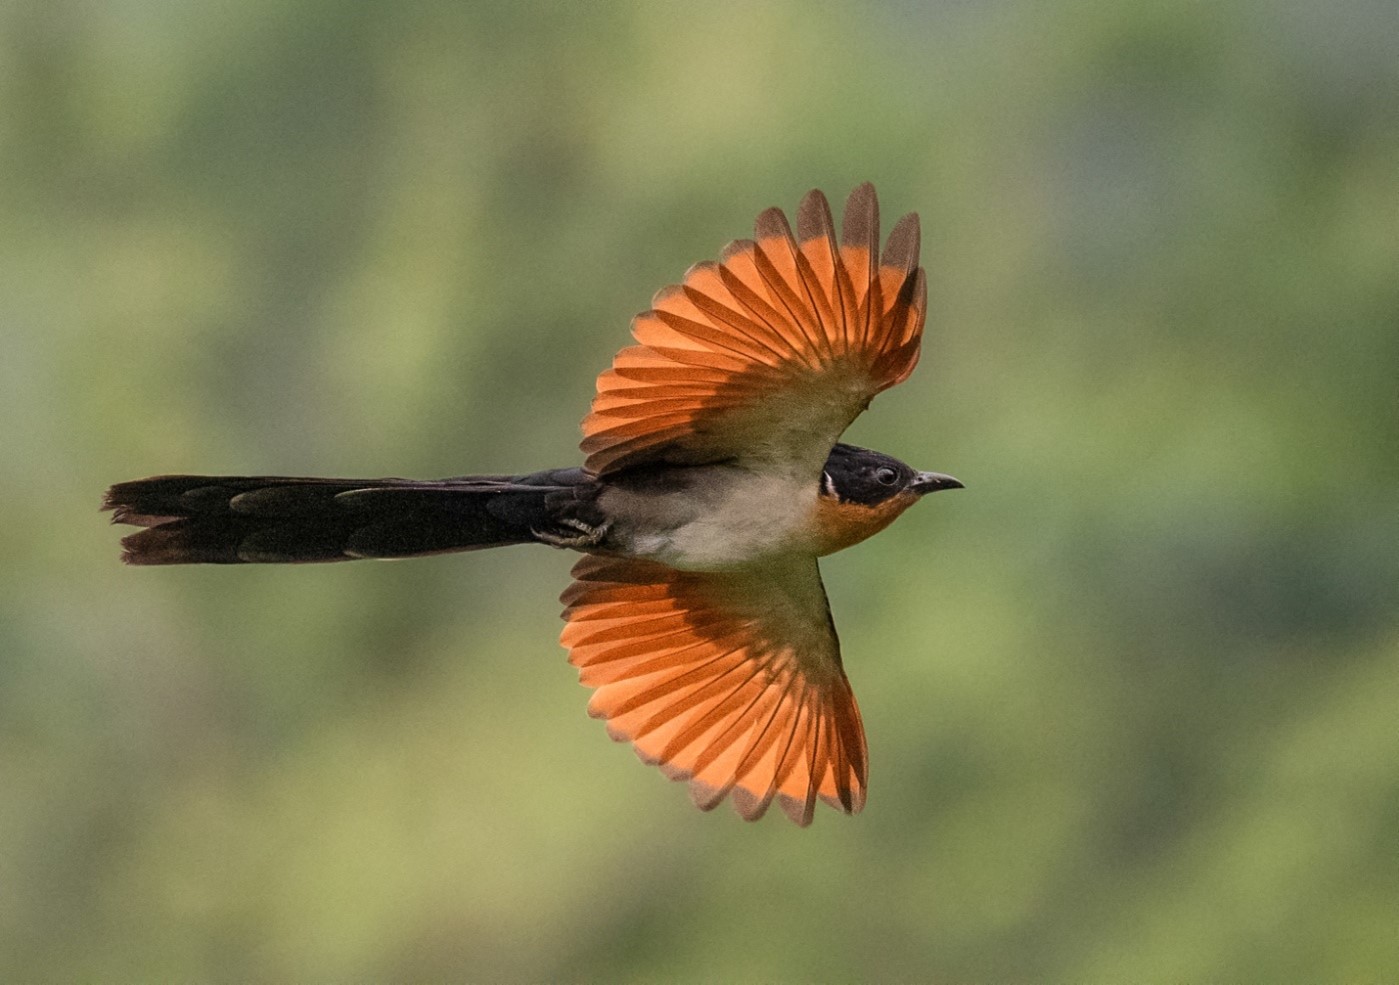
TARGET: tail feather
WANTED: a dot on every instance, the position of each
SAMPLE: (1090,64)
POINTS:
(275,519)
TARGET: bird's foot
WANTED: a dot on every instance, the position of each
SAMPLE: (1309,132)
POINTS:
(582,537)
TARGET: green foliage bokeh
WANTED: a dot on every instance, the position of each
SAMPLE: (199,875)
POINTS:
(1131,697)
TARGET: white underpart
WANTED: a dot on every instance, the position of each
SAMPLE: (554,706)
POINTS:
(727,518)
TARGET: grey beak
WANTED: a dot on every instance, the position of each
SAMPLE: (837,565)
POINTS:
(926,482)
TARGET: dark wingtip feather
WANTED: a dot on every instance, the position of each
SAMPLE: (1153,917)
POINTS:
(860,224)
(800,812)
(772,223)
(749,805)
(814,217)
(901,251)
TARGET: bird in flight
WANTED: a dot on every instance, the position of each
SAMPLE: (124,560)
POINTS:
(711,483)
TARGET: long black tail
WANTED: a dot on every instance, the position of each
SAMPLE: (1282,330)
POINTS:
(194,519)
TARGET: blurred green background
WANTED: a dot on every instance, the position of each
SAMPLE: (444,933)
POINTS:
(1131,697)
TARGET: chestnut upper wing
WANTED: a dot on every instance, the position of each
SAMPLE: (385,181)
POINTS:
(767,355)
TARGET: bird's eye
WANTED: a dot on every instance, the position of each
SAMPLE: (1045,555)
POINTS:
(886,476)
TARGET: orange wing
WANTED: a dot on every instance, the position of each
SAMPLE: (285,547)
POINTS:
(731,680)
(769,354)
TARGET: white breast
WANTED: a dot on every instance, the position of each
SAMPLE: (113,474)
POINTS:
(721,517)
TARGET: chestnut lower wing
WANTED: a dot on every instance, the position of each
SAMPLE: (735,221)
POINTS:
(729,680)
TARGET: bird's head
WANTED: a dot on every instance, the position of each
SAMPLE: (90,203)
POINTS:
(863,491)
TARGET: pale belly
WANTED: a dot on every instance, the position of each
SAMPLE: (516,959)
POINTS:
(725,518)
